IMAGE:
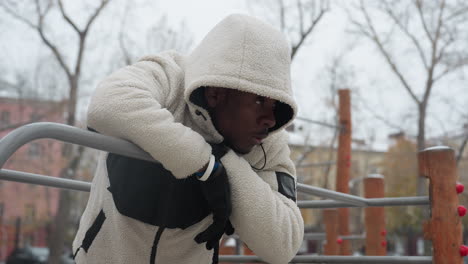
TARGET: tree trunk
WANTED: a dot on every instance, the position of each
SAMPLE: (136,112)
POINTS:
(421,144)
(62,219)
(72,100)
(58,237)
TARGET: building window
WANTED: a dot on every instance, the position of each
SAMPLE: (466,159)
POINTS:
(5,118)
(35,117)
(34,150)
(30,213)
(2,210)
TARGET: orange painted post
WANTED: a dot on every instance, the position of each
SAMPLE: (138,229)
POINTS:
(330,218)
(248,252)
(444,227)
(376,243)
(344,164)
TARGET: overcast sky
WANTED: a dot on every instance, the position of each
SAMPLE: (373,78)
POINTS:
(368,77)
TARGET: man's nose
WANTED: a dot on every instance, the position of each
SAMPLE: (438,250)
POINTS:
(268,119)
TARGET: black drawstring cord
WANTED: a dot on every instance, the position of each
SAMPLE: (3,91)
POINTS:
(216,254)
(264,163)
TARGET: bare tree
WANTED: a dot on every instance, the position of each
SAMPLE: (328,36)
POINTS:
(462,147)
(432,32)
(160,36)
(38,83)
(339,76)
(39,23)
(298,19)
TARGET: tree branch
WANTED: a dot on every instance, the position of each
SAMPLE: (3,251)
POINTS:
(303,35)
(459,11)
(93,16)
(6,84)
(46,41)
(301,17)
(282,19)
(462,149)
(462,63)
(418,4)
(384,120)
(389,10)
(434,60)
(83,34)
(374,36)
(67,18)
(11,12)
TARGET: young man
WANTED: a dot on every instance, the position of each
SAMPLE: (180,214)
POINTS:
(215,121)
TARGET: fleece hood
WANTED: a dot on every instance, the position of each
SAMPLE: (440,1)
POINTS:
(243,53)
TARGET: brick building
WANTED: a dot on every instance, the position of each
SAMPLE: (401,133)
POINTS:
(27,210)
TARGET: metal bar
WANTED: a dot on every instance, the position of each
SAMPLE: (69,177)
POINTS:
(318,122)
(338,196)
(317,164)
(18,176)
(39,179)
(399,201)
(322,236)
(374,202)
(315,236)
(353,237)
(336,259)
(22,135)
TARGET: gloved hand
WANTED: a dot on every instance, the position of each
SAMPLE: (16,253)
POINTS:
(217,193)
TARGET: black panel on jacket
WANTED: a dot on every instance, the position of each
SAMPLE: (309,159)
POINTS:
(286,185)
(91,233)
(146,191)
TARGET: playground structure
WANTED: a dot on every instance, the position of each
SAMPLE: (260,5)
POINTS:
(438,164)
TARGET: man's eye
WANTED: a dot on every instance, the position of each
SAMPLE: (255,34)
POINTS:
(260,100)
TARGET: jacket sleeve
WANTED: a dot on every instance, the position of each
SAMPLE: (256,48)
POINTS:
(266,219)
(131,104)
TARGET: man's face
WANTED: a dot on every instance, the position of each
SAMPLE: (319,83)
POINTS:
(242,118)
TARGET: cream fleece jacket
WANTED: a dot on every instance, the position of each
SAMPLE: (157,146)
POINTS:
(153,104)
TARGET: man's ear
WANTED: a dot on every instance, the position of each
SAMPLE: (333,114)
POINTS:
(215,96)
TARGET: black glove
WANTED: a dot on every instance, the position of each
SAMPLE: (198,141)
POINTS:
(217,193)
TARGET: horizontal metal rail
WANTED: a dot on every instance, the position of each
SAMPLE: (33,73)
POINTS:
(323,236)
(338,196)
(336,259)
(20,136)
(370,202)
(25,134)
(38,179)
(316,164)
(32,178)
(318,122)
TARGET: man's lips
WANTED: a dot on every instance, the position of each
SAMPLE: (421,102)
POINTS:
(259,138)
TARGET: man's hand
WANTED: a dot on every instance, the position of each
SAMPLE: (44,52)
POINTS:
(217,193)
